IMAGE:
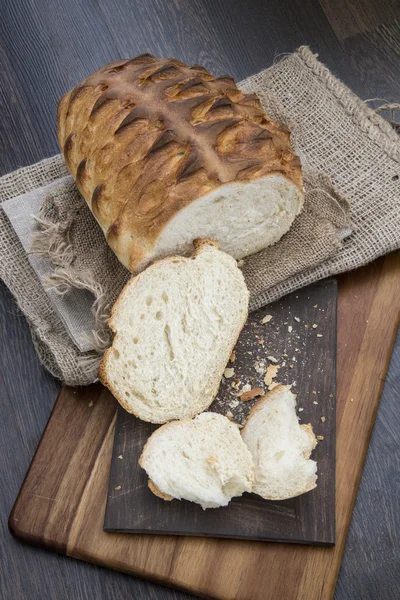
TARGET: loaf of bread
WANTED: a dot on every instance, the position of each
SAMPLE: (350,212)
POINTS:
(165,153)
(175,326)
(203,460)
(280,447)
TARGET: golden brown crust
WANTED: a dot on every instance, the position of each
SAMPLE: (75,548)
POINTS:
(146,137)
(157,492)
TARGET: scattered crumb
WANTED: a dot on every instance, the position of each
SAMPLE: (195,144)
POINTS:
(120,457)
(319,334)
(273,385)
(272,359)
(320,437)
(117,488)
(266,319)
(240,263)
(284,363)
(229,414)
(270,374)
(301,409)
(233,403)
(330,395)
(284,355)
(251,354)
(315,305)
(306,326)
(323,419)
(261,342)
(297,319)
(245,388)
(290,329)
(251,394)
(90,404)
(286,322)
(228,373)
(315,402)
(232,357)
(235,383)
(290,366)
(314,326)
(314,392)
(260,367)
(293,384)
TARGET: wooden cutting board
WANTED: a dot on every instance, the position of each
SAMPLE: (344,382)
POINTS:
(62,501)
(299,337)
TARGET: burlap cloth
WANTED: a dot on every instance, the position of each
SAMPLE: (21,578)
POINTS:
(351,165)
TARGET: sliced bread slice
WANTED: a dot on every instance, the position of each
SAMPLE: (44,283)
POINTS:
(175,327)
(203,460)
(280,447)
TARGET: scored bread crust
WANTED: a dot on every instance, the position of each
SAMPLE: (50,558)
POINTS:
(144,138)
(199,245)
(276,392)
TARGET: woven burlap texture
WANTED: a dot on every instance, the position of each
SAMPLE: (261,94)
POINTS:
(347,151)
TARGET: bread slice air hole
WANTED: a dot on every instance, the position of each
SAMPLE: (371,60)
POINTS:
(149,300)
(115,353)
(158,315)
(135,340)
(164,296)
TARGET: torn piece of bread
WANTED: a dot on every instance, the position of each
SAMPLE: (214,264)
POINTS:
(280,447)
(203,460)
(175,327)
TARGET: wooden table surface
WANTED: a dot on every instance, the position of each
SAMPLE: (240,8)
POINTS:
(47,46)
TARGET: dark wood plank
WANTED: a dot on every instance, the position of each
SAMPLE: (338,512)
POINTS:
(350,18)
(308,363)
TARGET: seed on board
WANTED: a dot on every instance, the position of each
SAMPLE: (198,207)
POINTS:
(315,402)
(319,334)
(272,359)
(297,319)
(117,488)
(314,326)
(290,329)
(301,409)
(314,392)
(120,457)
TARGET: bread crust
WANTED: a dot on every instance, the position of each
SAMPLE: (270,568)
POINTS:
(146,137)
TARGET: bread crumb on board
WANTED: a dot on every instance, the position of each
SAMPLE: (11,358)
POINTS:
(270,374)
(251,394)
(117,488)
(272,359)
(266,319)
(323,419)
(232,357)
(228,373)
(273,385)
(229,414)
(320,437)
(290,329)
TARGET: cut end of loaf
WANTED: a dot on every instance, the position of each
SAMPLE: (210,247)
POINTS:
(175,326)
(280,447)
